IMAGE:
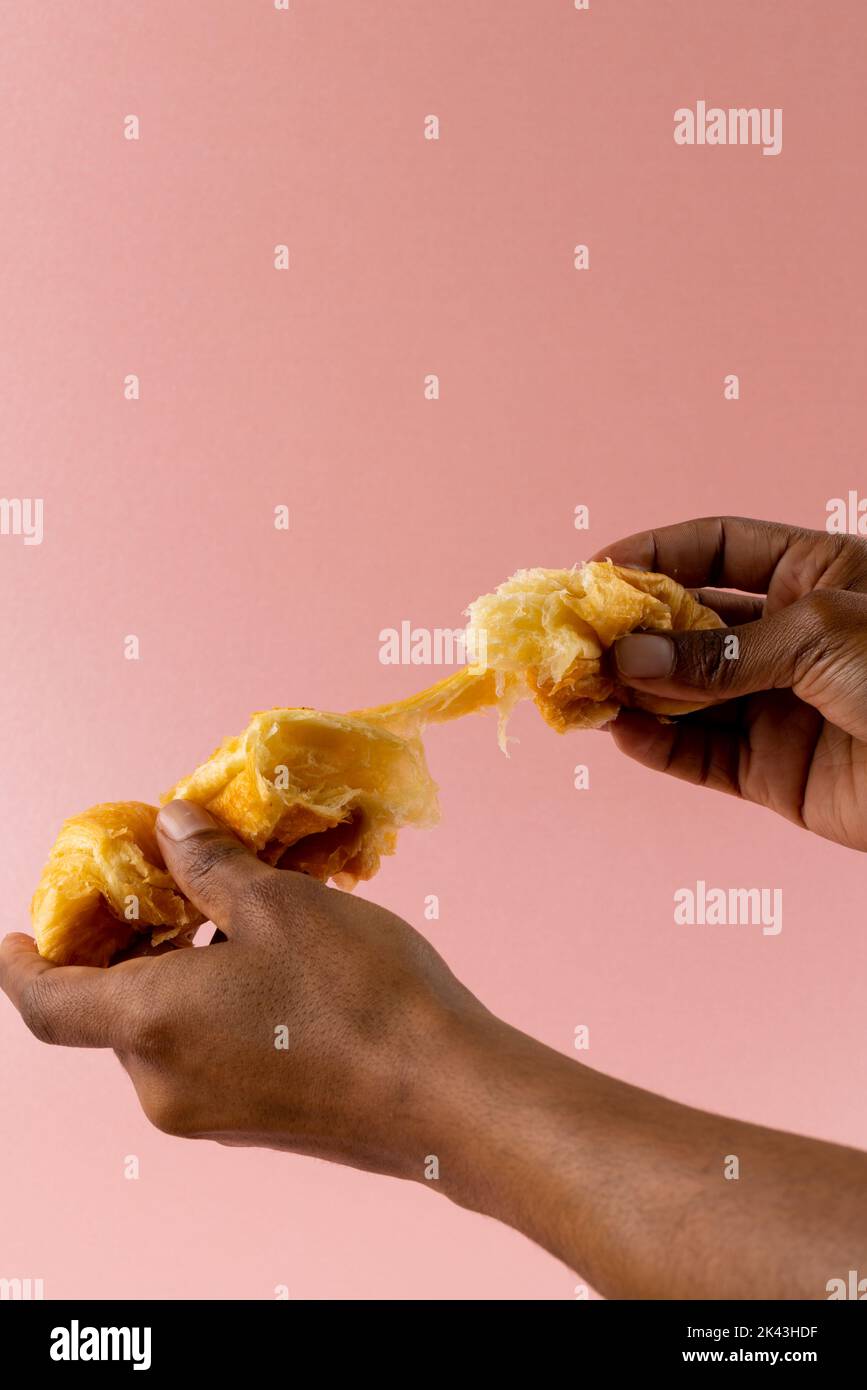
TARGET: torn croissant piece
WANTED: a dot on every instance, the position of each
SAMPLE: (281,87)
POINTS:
(321,793)
(555,628)
(327,794)
(104,884)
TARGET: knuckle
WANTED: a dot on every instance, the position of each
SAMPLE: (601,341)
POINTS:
(856,553)
(849,551)
(838,560)
(206,855)
(260,896)
(36,1010)
(829,624)
(702,661)
(824,609)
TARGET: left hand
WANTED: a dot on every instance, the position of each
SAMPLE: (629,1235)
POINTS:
(321,1023)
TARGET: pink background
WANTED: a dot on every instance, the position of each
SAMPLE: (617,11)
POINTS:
(306,388)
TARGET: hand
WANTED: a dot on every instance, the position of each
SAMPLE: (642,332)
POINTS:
(791,731)
(320,1023)
(390,1062)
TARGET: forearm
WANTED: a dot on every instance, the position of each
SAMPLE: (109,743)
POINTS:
(631,1189)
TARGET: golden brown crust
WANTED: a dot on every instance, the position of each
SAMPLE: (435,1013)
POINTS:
(326,794)
(104,884)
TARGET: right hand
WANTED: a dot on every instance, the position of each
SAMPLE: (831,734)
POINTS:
(786,722)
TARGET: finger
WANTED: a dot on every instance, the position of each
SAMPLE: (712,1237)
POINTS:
(732,551)
(815,647)
(209,864)
(20,963)
(73,1005)
(731,607)
(723,714)
(708,755)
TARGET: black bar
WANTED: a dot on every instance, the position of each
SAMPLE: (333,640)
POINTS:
(246,1337)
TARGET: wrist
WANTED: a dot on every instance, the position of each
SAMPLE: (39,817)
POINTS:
(506,1119)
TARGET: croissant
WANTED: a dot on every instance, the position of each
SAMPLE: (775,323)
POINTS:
(326,794)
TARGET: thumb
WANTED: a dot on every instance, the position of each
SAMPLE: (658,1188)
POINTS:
(816,647)
(209,864)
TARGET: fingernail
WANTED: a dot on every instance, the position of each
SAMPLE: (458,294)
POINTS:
(644,656)
(641,568)
(181,819)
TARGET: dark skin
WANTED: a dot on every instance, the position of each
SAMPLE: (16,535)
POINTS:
(791,734)
(389,1059)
